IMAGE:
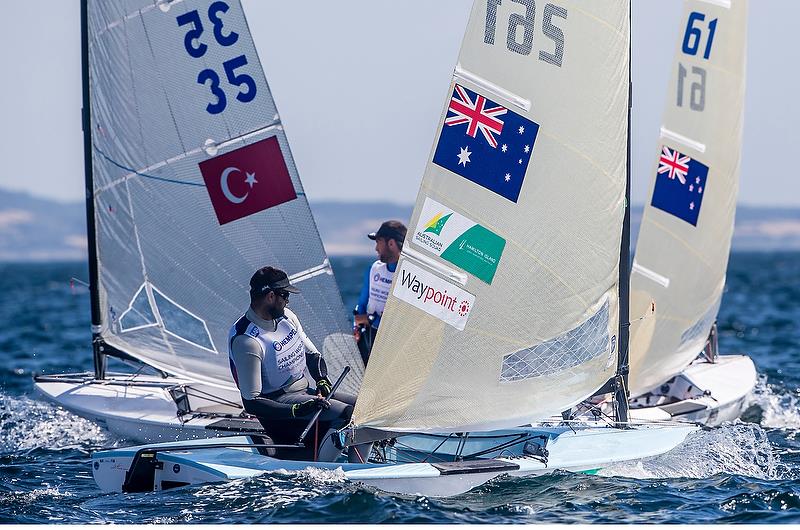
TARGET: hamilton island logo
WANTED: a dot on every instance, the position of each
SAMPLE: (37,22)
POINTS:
(436,224)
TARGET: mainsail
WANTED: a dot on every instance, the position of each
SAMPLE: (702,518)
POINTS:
(504,307)
(194,188)
(685,237)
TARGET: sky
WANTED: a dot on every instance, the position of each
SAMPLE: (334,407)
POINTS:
(360,85)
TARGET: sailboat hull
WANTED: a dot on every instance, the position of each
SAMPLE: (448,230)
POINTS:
(580,449)
(146,409)
(705,392)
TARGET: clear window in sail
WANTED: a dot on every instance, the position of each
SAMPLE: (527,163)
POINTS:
(139,313)
(181,323)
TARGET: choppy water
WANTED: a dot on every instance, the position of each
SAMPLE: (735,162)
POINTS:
(743,472)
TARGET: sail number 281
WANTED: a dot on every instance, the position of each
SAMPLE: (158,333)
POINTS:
(521,29)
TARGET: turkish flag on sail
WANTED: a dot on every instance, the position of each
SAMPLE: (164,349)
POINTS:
(247,180)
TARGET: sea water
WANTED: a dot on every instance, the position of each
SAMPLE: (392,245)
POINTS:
(748,471)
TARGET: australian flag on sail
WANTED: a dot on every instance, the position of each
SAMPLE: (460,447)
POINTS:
(486,143)
(680,185)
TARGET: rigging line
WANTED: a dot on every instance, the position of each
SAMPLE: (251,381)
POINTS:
(461,445)
(437,448)
(135,172)
(400,446)
(216,399)
(519,439)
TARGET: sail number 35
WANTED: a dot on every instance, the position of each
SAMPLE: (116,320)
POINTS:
(521,29)
(196,48)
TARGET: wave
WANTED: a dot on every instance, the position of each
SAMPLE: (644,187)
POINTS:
(18,498)
(734,448)
(779,409)
(27,425)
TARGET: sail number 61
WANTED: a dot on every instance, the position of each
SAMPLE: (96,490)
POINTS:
(693,35)
(521,28)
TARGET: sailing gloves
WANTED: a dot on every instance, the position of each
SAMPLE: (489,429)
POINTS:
(324,387)
(309,407)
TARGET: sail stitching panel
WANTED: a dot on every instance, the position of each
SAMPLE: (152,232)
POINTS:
(579,345)
(167,99)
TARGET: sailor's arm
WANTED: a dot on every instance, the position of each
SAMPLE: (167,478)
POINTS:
(314,361)
(360,311)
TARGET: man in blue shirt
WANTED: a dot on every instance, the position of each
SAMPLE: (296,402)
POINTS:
(377,282)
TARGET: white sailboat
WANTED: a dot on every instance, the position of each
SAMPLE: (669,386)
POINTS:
(685,238)
(512,285)
(190,187)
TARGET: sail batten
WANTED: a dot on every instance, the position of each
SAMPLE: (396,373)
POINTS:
(524,195)
(194,188)
(687,226)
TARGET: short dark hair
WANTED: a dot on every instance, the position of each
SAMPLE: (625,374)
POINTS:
(268,279)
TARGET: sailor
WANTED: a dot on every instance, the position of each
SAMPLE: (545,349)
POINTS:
(270,356)
(377,282)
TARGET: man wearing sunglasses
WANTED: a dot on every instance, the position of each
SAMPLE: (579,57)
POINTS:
(269,354)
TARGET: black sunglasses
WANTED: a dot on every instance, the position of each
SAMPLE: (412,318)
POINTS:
(282,294)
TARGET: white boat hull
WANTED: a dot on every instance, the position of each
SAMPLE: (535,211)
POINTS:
(149,414)
(143,408)
(705,392)
(584,449)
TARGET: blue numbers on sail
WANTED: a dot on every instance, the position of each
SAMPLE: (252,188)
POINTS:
(694,35)
(196,45)
(522,29)
(694,39)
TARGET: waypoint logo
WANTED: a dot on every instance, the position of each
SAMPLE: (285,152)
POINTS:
(437,297)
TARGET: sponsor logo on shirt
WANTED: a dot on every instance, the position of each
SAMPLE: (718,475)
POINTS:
(278,345)
(253,331)
(381,279)
(437,297)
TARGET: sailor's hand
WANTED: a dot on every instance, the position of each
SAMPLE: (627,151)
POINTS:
(362,320)
(309,407)
(324,387)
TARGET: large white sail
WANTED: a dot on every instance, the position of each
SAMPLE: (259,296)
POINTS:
(504,307)
(685,237)
(195,188)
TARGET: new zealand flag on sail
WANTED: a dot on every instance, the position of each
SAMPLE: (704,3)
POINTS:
(680,185)
(486,143)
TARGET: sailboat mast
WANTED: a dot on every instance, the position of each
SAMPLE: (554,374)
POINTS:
(99,357)
(621,386)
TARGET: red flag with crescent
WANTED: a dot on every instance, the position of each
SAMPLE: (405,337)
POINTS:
(247,180)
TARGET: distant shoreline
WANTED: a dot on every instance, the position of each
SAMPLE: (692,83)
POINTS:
(37,230)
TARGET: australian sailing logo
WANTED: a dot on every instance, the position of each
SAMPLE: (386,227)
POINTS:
(428,235)
(459,240)
(437,297)
(436,223)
